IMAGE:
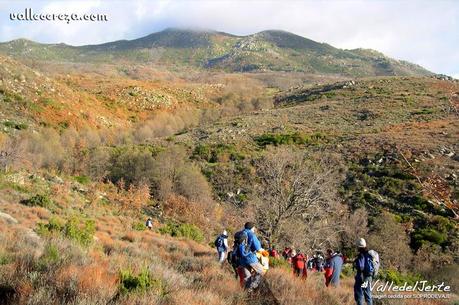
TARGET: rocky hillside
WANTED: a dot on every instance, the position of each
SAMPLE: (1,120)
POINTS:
(265,51)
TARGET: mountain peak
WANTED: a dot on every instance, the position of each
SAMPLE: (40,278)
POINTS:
(269,50)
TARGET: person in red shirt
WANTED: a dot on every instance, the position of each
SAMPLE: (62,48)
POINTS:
(286,253)
(299,264)
(328,270)
(273,252)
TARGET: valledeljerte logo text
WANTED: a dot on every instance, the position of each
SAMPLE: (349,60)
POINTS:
(418,286)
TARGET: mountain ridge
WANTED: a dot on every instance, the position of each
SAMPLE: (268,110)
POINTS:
(269,50)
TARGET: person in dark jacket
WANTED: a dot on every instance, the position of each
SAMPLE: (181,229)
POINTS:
(221,243)
(363,277)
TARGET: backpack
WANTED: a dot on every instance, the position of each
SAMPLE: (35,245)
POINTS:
(219,242)
(375,261)
(231,258)
(240,238)
(368,267)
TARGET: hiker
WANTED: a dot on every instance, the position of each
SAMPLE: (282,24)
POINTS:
(221,243)
(337,262)
(298,264)
(149,223)
(290,256)
(286,252)
(319,262)
(252,269)
(333,266)
(232,260)
(240,238)
(273,252)
(328,271)
(263,259)
(364,266)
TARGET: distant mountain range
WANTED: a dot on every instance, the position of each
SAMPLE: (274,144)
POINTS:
(271,50)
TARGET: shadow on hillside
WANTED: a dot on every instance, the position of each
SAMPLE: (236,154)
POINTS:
(204,254)
(7,295)
(263,295)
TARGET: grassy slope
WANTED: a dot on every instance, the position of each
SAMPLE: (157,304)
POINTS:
(66,272)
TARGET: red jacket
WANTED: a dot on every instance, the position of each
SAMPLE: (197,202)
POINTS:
(298,261)
(328,272)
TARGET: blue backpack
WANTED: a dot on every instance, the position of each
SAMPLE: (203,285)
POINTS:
(219,242)
(369,267)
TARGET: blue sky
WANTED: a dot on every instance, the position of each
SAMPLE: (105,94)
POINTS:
(423,32)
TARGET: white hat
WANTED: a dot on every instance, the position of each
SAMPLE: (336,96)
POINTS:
(225,233)
(361,243)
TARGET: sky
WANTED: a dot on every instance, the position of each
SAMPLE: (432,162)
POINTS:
(422,32)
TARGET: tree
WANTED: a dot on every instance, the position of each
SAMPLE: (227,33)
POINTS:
(388,237)
(356,226)
(11,152)
(133,166)
(297,202)
(174,174)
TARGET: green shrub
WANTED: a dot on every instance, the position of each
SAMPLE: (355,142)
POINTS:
(63,125)
(82,231)
(392,275)
(82,179)
(38,200)
(347,270)
(423,111)
(278,263)
(289,139)
(53,226)
(421,236)
(49,257)
(5,259)
(330,94)
(217,152)
(18,126)
(139,283)
(139,226)
(186,230)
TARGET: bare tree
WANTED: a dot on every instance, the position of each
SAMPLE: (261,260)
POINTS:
(355,226)
(389,238)
(11,152)
(297,200)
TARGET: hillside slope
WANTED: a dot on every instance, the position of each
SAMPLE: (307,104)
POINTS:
(117,261)
(66,97)
(265,51)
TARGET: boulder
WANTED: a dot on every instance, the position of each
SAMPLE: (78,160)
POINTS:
(8,218)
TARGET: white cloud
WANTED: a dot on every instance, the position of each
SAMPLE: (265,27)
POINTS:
(424,32)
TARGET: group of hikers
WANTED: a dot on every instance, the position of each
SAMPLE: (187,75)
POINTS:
(250,262)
